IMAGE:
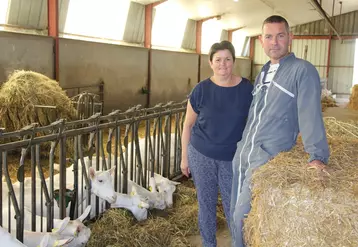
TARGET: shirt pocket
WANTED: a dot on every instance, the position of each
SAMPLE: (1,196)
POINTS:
(281,100)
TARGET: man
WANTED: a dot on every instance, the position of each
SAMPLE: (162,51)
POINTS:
(286,102)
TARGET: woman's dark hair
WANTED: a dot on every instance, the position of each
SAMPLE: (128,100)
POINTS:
(223,45)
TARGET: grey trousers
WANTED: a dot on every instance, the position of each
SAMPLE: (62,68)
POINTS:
(209,175)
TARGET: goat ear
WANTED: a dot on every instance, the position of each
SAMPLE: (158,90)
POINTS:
(112,170)
(92,173)
(64,241)
(85,213)
(45,240)
(64,223)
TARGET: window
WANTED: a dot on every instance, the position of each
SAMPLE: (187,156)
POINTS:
(355,70)
(211,33)
(238,40)
(169,25)
(4,6)
(93,18)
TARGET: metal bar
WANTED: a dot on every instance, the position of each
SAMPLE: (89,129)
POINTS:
(33,189)
(44,191)
(1,191)
(98,117)
(62,200)
(19,234)
(148,26)
(97,164)
(147,131)
(321,11)
(45,106)
(75,176)
(199,25)
(52,17)
(116,137)
(72,132)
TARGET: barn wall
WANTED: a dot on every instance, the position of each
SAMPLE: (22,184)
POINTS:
(123,70)
(242,67)
(28,52)
(173,75)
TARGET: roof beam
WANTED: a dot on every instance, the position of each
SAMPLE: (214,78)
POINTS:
(199,27)
(321,11)
(148,23)
(230,32)
(53,26)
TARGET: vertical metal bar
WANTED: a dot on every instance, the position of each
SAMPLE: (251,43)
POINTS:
(132,153)
(169,148)
(53,31)
(44,191)
(157,159)
(19,234)
(62,200)
(33,189)
(1,190)
(75,176)
(97,165)
(20,219)
(102,153)
(122,164)
(147,130)
(116,137)
(176,142)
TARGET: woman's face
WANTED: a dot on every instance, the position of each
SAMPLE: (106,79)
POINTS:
(222,63)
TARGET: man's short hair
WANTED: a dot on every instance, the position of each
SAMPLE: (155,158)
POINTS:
(276,19)
(223,45)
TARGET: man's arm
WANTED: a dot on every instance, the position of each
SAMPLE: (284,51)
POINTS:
(310,116)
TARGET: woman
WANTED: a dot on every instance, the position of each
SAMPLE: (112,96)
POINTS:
(215,119)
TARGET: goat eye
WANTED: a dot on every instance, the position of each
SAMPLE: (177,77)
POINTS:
(100,180)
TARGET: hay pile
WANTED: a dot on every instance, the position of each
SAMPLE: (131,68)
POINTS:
(118,228)
(26,89)
(295,206)
(353,100)
(327,100)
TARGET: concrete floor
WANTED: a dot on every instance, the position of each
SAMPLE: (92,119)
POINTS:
(340,113)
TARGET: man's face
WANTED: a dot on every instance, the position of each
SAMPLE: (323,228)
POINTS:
(275,40)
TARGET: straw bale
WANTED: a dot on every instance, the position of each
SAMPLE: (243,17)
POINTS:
(296,206)
(353,100)
(25,89)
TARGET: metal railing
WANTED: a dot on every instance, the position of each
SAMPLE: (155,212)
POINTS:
(138,142)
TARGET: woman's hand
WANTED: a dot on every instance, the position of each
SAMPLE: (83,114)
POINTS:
(185,167)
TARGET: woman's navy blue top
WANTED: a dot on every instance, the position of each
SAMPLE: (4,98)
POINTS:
(222,114)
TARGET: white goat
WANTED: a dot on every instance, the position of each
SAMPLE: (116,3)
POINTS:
(135,203)
(8,240)
(74,228)
(35,239)
(107,194)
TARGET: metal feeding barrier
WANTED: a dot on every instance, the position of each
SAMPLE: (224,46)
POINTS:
(35,160)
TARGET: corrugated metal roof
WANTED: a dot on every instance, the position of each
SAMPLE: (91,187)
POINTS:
(33,13)
(134,30)
(224,35)
(346,24)
(189,39)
